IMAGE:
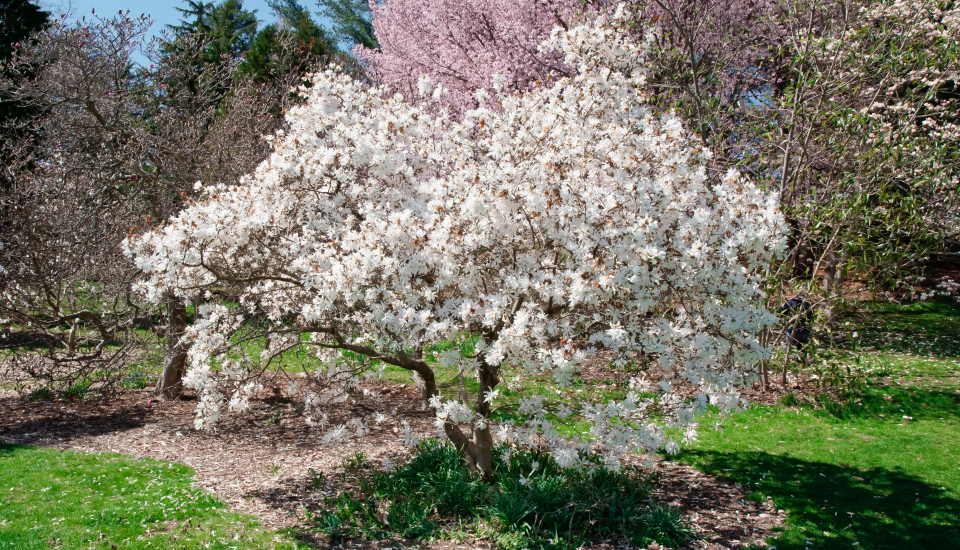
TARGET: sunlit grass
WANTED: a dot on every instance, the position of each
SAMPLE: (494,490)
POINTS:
(871,467)
(63,499)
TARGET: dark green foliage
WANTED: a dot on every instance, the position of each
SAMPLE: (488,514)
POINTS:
(532,502)
(225,31)
(291,46)
(227,27)
(19,20)
(260,62)
(351,22)
(195,17)
(232,29)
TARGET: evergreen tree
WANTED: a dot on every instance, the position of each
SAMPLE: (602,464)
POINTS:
(19,20)
(195,18)
(293,44)
(227,29)
(231,30)
(207,44)
(351,22)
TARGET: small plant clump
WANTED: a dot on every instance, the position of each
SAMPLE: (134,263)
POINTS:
(531,502)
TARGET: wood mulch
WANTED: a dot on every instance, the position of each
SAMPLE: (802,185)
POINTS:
(265,461)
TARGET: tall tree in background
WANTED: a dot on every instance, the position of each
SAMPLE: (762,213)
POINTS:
(351,22)
(228,29)
(708,55)
(293,44)
(231,31)
(19,20)
(460,46)
(194,18)
(225,30)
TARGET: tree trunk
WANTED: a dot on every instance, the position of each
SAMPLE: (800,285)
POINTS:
(170,385)
(763,366)
(480,455)
(483,453)
(477,451)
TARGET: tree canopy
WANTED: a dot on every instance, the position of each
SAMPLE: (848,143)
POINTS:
(293,44)
(351,22)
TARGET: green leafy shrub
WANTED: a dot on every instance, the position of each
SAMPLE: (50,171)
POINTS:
(79,390)
(531,503)
(40,394)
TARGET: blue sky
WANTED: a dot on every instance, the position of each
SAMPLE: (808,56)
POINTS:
(162,12)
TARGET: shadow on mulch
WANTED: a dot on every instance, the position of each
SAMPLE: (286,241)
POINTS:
(834,507)
(61,421)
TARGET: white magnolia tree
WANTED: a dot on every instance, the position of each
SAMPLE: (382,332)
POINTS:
(549,226)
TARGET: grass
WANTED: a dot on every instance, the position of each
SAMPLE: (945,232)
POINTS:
(63,499)
(876,466)
(921,329)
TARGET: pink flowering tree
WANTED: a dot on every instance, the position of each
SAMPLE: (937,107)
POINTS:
(569,221)
(707,56)
(462,45)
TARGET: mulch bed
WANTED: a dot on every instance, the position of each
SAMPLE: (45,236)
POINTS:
(262,462)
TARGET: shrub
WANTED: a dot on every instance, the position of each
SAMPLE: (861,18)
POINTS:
(532,502)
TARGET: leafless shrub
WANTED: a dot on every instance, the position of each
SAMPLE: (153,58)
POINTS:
(118,149)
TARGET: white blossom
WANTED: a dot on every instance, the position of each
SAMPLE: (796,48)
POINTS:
(557,223)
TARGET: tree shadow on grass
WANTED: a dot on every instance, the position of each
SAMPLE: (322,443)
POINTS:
(830,506)
(919,328)
(894,403)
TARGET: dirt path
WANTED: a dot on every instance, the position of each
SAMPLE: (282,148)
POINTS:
(260,463)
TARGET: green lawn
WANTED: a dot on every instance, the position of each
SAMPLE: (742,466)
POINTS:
(877,469)
(66,500)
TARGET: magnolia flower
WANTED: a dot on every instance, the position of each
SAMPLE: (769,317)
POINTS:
(549,226)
